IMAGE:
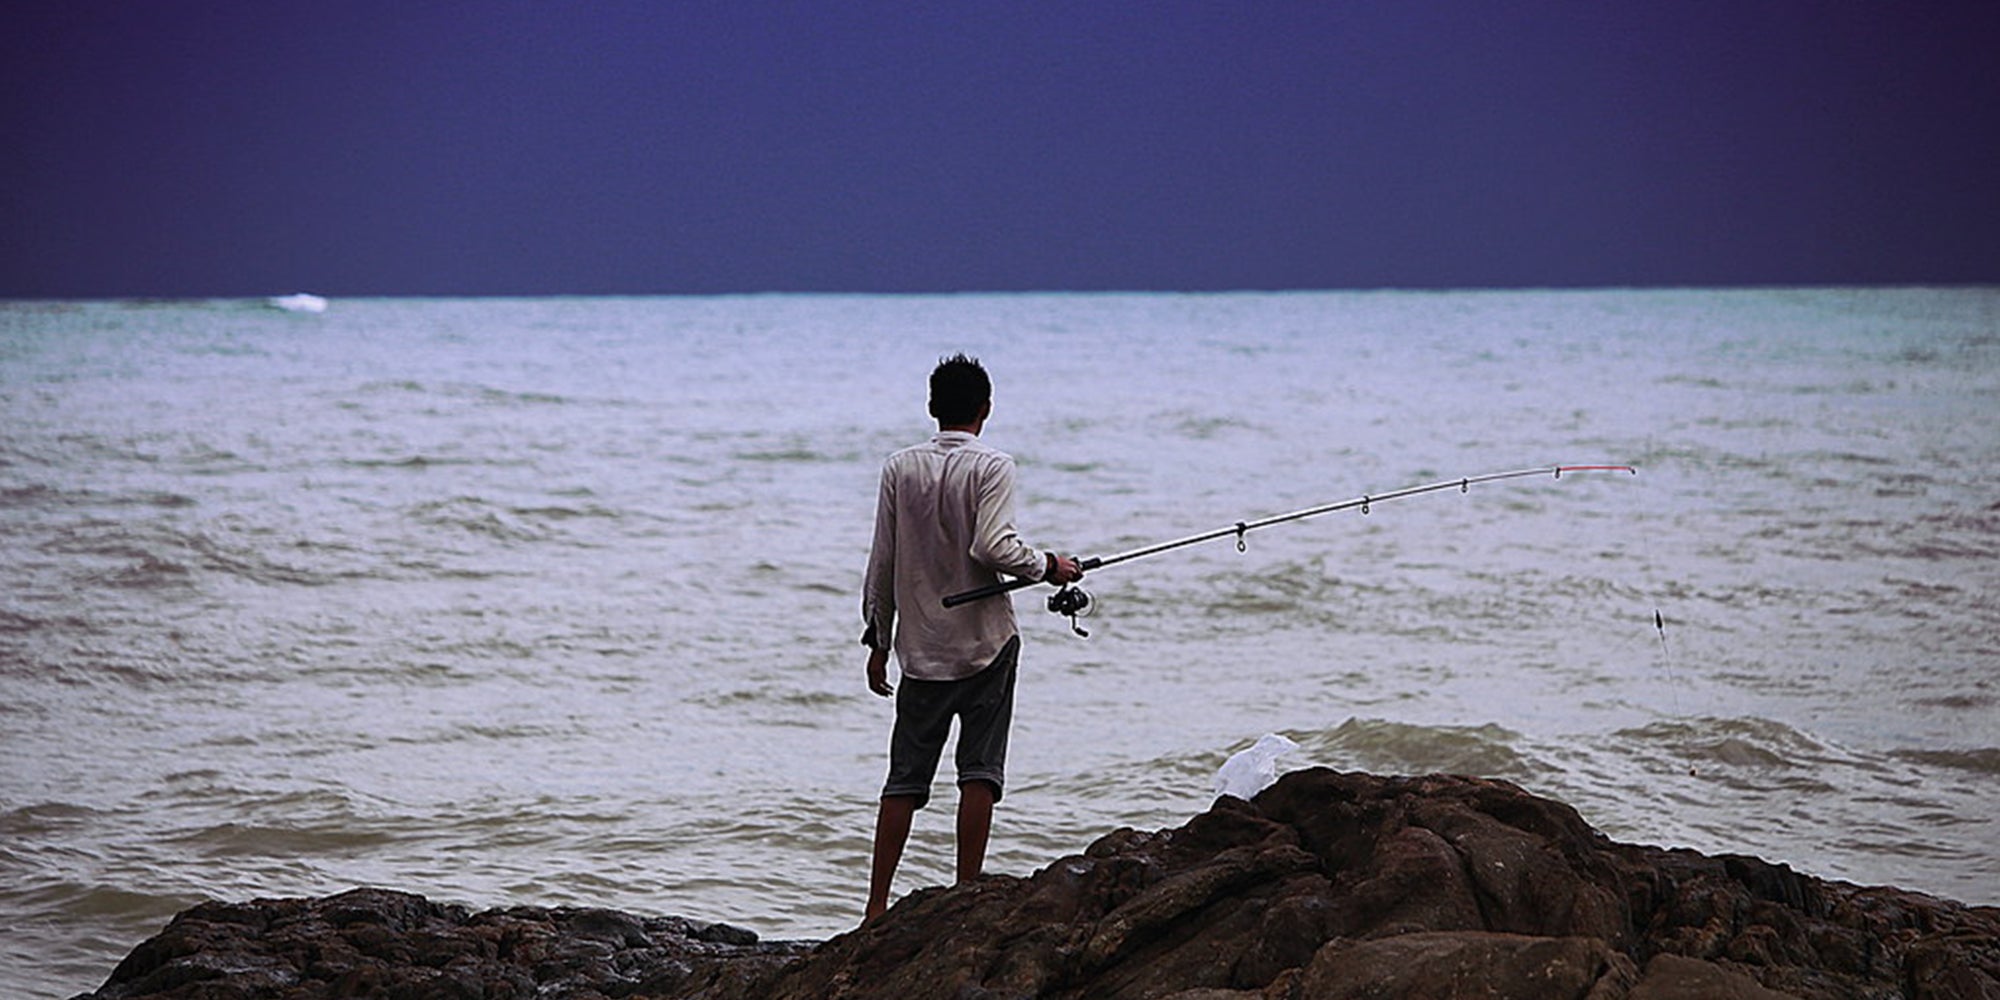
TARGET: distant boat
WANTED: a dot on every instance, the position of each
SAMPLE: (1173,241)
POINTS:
(299,303)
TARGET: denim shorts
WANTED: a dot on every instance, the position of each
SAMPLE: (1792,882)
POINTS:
(984,706)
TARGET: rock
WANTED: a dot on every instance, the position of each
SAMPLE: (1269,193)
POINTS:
(379,943)
(1467,964)
(1326,885)
(1672,977)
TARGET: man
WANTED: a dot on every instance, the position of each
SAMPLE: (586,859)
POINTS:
(944,523)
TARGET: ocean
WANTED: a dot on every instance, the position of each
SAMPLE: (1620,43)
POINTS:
(556,601)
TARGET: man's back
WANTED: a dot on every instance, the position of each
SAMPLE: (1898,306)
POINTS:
(944,524)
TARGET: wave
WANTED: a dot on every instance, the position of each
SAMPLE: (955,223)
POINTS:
(797,455)
(1407,600)
(331,838)
(463,391)
(559,512)
(38,497)
(1936,537)
(479,517)
(1749,753)
(44,818)
(1982,760)
(1388,746)
(1203,427)
(1162,786)
(155,556)
(511,397)
(418,462)
(66,451)
(15,623)
(1961,700)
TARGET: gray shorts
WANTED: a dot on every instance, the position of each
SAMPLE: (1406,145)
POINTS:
(984,706)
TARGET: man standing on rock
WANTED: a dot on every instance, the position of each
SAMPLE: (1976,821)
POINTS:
(944,523)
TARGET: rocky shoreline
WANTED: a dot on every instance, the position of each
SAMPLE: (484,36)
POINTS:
(1327,885)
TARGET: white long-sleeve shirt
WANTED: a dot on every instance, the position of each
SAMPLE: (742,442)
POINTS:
(944,524)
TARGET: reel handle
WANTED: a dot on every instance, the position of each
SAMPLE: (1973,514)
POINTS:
(1073,602)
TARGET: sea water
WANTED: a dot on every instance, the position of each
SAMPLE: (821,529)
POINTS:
(556,601)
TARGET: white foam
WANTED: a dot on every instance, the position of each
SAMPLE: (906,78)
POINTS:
(299,302)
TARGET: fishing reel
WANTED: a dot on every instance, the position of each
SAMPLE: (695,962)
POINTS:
(1074,603)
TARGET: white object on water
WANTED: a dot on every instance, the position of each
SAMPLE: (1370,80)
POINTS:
(1250,771)
(300,302)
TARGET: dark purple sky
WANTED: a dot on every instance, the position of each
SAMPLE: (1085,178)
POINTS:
(250,147)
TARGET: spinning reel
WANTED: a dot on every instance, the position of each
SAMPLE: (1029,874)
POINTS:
(1073,602)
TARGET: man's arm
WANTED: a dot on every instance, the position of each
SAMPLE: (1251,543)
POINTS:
(878,589)
(995,542)
(878,585)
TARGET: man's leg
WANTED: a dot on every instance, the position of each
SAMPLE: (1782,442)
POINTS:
(982,756)
(975,825)
(892,831)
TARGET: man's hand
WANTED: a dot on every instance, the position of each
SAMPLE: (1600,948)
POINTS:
(1063,570)
(878,672)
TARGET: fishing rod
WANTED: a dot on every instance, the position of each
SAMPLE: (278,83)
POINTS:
(1072,602)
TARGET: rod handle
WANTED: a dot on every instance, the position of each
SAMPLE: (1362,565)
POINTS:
(1009,586)
(993,590)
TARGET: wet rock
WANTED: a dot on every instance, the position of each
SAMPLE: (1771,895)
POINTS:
(1327,885)
(1468,964)
(379,943)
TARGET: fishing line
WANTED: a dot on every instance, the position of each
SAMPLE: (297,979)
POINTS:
(1073,602)
(1666,656)
(1667,660)
(1673,684)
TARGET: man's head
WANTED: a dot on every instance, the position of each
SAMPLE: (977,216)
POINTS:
(960,392)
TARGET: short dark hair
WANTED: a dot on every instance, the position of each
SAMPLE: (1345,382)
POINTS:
(959,390)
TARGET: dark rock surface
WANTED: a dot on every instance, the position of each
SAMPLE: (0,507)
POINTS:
(1328,885)
(379,943)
